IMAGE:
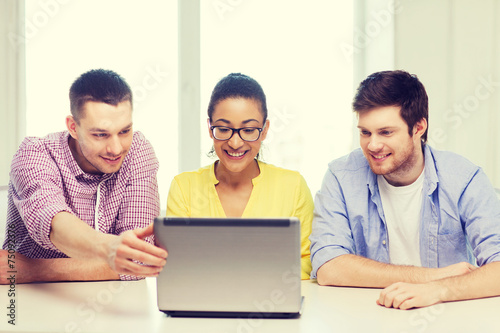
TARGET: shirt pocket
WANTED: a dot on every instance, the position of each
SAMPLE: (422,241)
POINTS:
(452,248)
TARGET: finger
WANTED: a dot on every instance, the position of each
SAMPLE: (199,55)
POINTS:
(381,298)
(144,232)
(129,253)
(399,299)
(388,296)
(388,300)
(143,246)
(133,268)
(385,292)
(407,304)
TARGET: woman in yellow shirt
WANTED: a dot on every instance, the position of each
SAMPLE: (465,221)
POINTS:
(238,184)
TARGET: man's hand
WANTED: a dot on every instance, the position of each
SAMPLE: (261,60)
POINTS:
(125,250)
(405,296)
(402,295)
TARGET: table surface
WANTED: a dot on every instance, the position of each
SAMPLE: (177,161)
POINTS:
(121,306)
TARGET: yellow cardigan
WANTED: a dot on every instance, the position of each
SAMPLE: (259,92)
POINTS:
(277,192)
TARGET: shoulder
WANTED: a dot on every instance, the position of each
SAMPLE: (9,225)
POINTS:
(284,180)
(278,174)
(141,153)
(49,142)
(352,164)
(196,176)
(140,144)
(450,165)
(38,149)
(278,171)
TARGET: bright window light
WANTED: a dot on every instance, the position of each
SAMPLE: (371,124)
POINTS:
(293,49)
(136,39)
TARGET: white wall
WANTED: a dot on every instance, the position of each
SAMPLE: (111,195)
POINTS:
(453,47)
(12,98)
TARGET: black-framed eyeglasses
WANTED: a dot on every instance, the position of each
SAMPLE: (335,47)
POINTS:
(246,133)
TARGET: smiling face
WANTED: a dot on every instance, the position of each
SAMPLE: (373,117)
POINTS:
(388,147)
(236,155)
(102,138)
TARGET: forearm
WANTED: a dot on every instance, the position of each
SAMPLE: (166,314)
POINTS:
(77,239)
(356,271)
(68,269)
(482,282)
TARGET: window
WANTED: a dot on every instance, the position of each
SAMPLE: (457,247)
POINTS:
(293,49)
(136,39)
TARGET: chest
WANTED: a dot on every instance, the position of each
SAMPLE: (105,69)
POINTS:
(234,200)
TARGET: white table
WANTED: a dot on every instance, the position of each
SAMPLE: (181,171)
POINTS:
(131,307)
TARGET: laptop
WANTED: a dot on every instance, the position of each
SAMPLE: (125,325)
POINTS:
(230,267)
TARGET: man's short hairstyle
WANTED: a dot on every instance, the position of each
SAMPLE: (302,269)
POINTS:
(394,88)
(97,85)
(237,85)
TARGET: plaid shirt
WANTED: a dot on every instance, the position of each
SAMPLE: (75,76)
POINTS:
(45,180)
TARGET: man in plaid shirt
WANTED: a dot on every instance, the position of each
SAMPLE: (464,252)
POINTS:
(82,202)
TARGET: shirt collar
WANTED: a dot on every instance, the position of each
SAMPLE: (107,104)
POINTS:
(430,179)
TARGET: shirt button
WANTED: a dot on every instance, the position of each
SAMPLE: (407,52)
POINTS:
(383,242)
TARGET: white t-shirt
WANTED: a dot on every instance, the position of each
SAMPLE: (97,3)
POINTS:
(402,209)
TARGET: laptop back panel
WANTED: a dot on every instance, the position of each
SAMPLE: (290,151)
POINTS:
(230,266)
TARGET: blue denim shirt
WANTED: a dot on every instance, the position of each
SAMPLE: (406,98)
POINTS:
(460,213)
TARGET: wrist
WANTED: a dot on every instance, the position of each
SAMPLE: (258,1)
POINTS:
(444,292)
(106,247)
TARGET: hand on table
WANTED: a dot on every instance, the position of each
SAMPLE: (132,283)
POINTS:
(404,296)
(129,247)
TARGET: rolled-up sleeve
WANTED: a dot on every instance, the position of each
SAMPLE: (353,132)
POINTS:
(331,233)
(480,210)
(37,192)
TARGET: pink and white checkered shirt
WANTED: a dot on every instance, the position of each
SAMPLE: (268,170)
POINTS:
(45,180)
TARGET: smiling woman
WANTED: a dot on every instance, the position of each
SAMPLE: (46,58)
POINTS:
(238,184)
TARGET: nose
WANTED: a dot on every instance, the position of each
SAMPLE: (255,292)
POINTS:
(374,144)
(114,147)
(235,141)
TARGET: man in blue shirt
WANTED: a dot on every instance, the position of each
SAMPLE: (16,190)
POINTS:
(399,215)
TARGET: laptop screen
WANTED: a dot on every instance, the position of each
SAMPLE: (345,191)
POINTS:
(229,265)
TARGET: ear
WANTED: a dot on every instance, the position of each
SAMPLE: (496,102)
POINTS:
(264,131)
(209,130)
(420,128)
(71,125)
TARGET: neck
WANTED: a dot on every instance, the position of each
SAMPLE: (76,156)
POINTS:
(236,179)
(409,172)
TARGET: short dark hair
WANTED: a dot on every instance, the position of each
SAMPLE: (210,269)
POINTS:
(394,88)
(97,85)
(237,85)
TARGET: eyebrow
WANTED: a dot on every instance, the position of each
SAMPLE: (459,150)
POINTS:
(379,129)
(244,121)
(100,130)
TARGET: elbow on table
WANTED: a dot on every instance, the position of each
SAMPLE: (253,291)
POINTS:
(322,279)
(329,276)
